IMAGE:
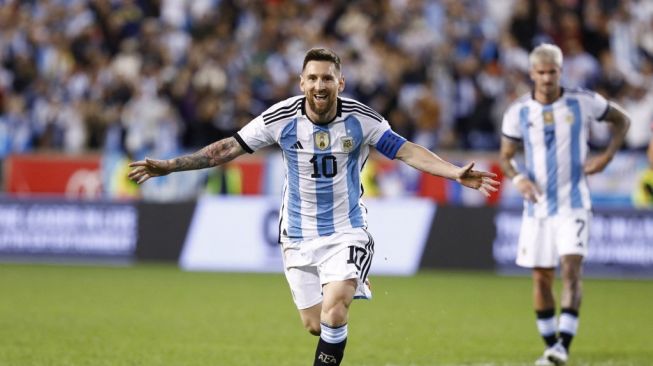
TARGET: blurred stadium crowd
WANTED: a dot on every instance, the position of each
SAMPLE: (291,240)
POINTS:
(159,76)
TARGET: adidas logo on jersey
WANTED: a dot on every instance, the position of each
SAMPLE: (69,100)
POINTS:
(297,145)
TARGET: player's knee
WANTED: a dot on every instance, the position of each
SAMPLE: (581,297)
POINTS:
(572,284)
(543,283)
(543,279)
(335,315)
(571,274)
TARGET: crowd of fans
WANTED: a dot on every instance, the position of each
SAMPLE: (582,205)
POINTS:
(158,76)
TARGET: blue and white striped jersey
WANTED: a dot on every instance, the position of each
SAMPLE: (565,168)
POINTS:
(555,145)
(322,192)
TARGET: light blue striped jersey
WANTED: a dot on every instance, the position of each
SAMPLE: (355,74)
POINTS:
(322,191)
(555,140)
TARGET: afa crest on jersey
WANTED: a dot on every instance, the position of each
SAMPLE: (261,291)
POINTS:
(347,143)
(322,140)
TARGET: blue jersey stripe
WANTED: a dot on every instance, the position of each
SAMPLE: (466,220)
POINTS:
(288,138)
(326,165)
(576,165)
(355,131)
(551,160)
(528,151)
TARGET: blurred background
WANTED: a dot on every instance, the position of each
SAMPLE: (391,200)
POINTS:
(87,86)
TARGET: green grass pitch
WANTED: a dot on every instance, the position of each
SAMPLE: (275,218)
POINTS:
(158,315)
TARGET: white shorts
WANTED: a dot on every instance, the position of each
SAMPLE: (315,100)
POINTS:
(542,241)
(310,264)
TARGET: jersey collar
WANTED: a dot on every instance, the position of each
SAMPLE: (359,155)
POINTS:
(338,111)
(562,92)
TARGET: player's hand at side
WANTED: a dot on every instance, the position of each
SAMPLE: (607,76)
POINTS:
(529,190)
(479,180)
(148,168)
(596,164)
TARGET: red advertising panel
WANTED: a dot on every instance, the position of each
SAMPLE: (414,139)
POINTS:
(73,176)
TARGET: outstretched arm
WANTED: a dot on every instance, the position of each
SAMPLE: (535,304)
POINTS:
(620,123)
(422,159)
(215,154)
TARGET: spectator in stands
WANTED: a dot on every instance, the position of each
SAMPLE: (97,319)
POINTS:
(87,47)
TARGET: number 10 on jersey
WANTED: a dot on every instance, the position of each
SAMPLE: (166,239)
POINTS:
(324,166)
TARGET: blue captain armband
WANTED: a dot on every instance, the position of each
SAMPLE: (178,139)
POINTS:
(389,144)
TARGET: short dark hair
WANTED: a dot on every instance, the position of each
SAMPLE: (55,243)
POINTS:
(321,54)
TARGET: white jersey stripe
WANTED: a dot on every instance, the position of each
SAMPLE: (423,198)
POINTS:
(293,197)
(528,149)
(325,167)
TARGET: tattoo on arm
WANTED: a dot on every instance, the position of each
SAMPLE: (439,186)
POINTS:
(215,154)
(620,122)
(508,150)
(618,117)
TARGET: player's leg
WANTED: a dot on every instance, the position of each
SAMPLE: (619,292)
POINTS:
(306,291)
(343,277)
(536,251)
(571,266)
(573,238)
(544,304)
(572,235)
(337,297)
(572,293)
(311,318)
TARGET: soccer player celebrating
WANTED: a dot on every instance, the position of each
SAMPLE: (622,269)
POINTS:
(325,140)
(552,123)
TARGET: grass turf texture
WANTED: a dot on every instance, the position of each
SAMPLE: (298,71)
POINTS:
(158,315)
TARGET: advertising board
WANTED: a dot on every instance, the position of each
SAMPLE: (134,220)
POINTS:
(58,228)
(240,234)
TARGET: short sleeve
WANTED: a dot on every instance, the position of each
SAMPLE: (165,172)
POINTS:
(510,126)
(254,135)
(376,131)
(385,140)
(598,106)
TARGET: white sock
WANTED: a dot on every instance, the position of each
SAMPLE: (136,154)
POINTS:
(333,335)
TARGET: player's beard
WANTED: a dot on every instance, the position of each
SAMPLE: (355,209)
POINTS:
(551,90)
(321,107)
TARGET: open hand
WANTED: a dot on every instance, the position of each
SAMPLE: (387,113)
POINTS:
(479,180)
(528,189)
(148,168)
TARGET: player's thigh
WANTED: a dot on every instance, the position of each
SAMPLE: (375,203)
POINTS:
(305,286)
(351,262)
(536,248)
(572,233)
(339,292)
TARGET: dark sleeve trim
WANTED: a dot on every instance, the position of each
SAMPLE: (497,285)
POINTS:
(242,143)
(605,113)
(512,137)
